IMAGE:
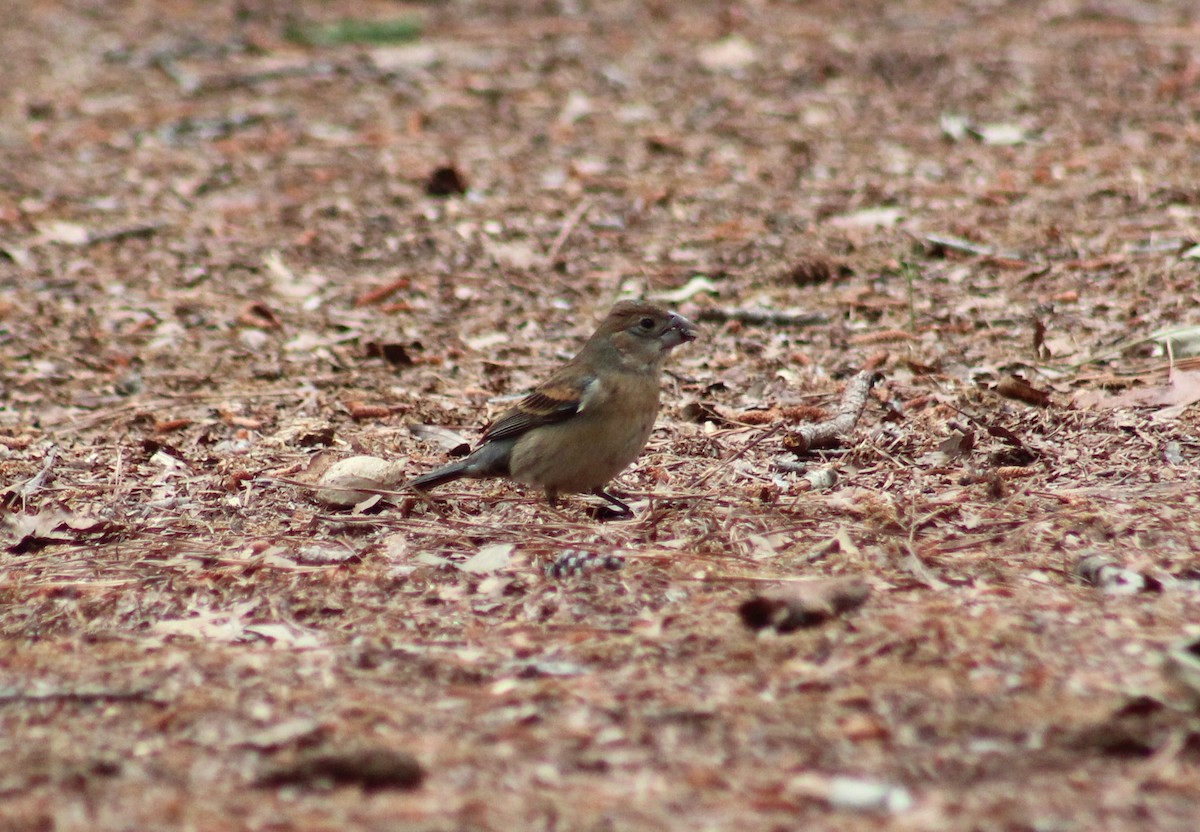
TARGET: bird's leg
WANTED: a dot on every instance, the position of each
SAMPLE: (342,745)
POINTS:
(552,497)
(622,511)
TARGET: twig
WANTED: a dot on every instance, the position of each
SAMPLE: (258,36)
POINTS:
(572,220)
(744,579)
(181,399)
(959,244)
(235,80)
(186,81)
(144,695)
(1001,433)
(25,490)
(727,461)
(36,482)
(258,562)
(142,229)
(764,317)
(826,434)
(945,242)
(447,523)
(371,297)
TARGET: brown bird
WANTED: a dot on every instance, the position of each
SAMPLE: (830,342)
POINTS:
(587,422)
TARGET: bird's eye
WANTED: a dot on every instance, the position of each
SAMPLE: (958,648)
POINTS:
(646,323)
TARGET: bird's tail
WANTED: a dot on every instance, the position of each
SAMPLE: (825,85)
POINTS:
(441,476)
(489,460)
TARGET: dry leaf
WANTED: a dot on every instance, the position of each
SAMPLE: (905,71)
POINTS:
(1014,387)
(1001,135)
(489,559)
(350,481)
(67,233)
(1181,392)
(209,624)
(869,218)
(852,793)
(56,526)
(699,283)
(446,181)
(731,53)
(1182,669)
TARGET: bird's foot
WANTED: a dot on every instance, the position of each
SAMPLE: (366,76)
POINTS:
(619,510)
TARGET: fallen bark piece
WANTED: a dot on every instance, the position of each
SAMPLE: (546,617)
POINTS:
(1103,572)
(371,768)
(795,606)
(826,434)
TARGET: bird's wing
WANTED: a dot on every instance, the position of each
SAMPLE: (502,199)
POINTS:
(557,400)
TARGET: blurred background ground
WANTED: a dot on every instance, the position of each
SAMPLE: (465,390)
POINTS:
(220,255)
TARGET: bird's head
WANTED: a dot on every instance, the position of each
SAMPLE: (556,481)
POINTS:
(643,333)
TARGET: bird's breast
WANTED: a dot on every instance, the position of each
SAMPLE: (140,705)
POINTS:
(596,444)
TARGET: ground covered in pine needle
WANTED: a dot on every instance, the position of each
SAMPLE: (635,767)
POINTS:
(240,241)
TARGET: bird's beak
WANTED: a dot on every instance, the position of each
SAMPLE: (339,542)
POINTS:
(680,331)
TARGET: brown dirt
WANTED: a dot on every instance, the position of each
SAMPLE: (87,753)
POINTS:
(200,223)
